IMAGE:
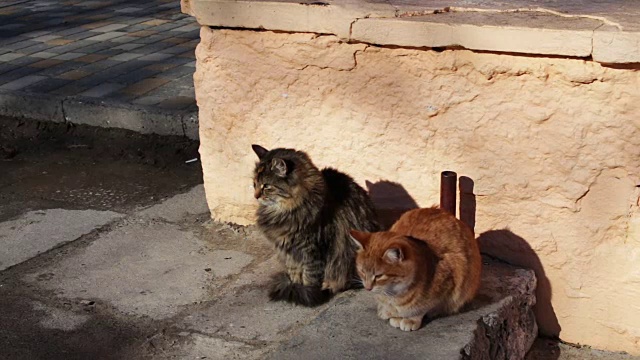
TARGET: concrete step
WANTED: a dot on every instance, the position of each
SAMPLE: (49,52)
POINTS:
(499,325)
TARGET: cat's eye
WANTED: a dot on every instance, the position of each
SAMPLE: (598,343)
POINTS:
(266,187)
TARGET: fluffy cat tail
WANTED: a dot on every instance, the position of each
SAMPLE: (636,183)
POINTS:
(283,289)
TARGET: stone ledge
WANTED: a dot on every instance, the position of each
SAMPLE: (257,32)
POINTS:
(567,29)
(500,325)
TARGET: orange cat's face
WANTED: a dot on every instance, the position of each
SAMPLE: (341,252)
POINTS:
(384,262)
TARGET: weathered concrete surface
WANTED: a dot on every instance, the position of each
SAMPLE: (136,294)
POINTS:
(59,319)
(501,325)
(108,114)
(112,114)
(45,108)
(245,312)
(204,347)
(608,32)
(551,146)
(180,206)
(164,268)
(528,33)
(38,231)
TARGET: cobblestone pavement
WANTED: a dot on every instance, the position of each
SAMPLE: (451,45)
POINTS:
(138,52)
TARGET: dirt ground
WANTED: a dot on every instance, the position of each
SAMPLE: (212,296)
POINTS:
(48,165)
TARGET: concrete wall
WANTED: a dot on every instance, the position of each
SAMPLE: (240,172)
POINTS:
(552,146)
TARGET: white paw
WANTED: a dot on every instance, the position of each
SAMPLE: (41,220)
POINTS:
(405,324)
(395,322)
(409,325)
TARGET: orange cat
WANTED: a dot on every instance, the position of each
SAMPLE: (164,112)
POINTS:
(427,264)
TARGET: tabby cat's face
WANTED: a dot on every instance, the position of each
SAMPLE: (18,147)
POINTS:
(274,182)
(269,188)
(382,262)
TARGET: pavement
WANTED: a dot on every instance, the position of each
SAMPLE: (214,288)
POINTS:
(128,64)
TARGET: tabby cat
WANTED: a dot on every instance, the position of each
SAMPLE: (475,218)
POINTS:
(307,214)
(428,263)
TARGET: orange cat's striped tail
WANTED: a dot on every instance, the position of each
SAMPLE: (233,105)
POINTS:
(283,289)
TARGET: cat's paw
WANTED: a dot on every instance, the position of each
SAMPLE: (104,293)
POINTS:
(408,324)
(331,285)
(395,322)
(384,313)
(405,324)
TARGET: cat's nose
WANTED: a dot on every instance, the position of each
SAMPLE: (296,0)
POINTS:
(368,287)
(257,193)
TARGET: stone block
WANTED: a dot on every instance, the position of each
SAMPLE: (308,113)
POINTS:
(119,115)
(22,105)
(528,33)
(499,324)
(610,46)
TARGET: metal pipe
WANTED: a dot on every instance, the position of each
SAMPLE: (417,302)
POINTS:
(448,189)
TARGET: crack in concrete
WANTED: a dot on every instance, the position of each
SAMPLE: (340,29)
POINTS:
(351,28)
(355,57)
(593,37)
(355,64)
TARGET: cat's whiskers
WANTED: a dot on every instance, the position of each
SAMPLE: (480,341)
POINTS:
(387,292)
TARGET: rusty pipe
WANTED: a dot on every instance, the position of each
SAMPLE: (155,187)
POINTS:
(448,182)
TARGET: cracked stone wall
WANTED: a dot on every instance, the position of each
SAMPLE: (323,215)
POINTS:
(552,146)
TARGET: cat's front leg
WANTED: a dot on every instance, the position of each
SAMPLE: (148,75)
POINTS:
(312,273)
(406,324)
(338,273)
(386,310)
(295,270)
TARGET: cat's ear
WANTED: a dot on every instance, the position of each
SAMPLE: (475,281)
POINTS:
(279,167)
(361,239)
(394,255)
(259,150)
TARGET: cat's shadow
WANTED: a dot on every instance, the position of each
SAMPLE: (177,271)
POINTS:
(391,200)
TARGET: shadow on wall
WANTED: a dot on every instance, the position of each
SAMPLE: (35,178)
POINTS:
(390,200)
(467,207)
(511,248)
(507,246)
